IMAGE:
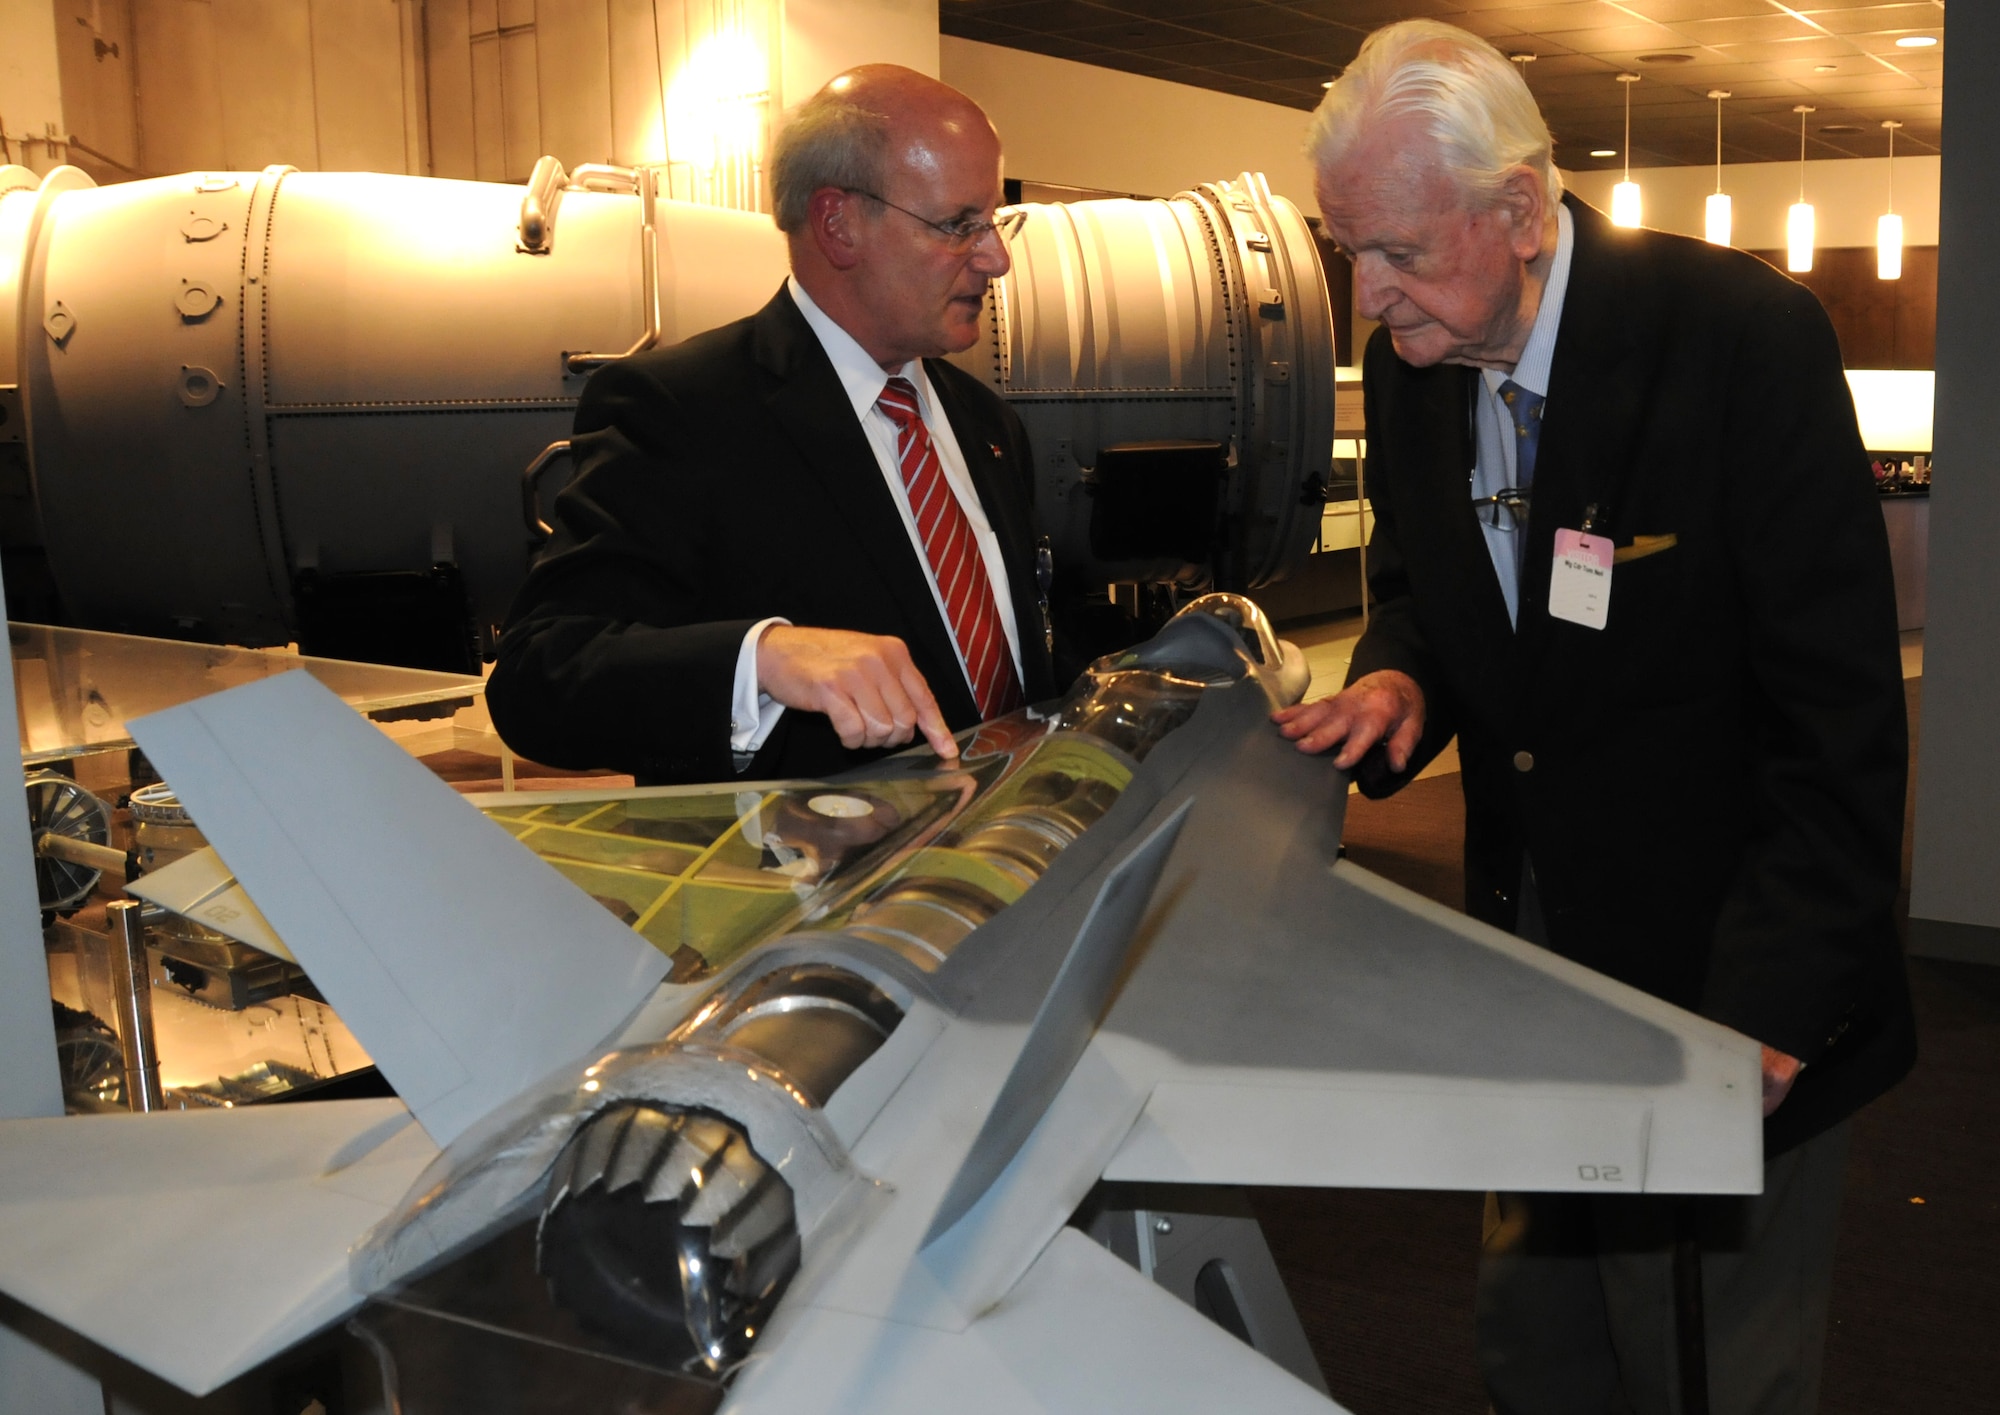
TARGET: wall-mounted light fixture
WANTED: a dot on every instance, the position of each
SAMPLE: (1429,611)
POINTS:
(1718,202)
(1799,220)
(1625,196)
(1889,228)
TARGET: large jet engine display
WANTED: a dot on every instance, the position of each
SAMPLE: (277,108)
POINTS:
(260,408)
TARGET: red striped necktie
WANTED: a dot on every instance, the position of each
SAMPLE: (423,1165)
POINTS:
(953,552)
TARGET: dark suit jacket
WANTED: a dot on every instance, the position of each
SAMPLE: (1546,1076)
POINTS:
(719,482)
(1712,786)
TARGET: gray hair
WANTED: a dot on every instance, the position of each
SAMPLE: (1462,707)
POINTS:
(1470,99)
(830,140)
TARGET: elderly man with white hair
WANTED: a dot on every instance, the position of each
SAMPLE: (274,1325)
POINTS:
(1627,551)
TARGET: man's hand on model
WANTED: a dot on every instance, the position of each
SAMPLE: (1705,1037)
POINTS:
(1386,707)
(864,683)
(1780,1070)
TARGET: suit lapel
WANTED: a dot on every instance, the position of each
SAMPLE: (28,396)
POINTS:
(1599,381)
(810,407)
(1460,574)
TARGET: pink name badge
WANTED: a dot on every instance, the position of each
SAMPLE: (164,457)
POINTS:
(1580,581)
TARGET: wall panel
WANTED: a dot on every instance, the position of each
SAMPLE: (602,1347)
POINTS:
(263,50)
(636,90)
(179,99)
(416,110)
(520,106)
(488,130)
(357,84)
(573,60)
(1881,323)
(94,56)
(448,73)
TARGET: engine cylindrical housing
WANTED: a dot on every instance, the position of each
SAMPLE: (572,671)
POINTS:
(234,390)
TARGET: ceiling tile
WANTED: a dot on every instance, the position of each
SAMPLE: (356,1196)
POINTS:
(1765,52)
(1668,12)
(1369,14)
(1600,39)
(1265,21)
(1273,66)
(1906,18)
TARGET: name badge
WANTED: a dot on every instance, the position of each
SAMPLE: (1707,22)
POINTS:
(1580,582)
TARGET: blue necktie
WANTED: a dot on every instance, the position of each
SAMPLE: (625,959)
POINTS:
(1526,409)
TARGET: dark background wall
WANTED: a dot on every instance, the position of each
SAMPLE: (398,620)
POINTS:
(1881,323)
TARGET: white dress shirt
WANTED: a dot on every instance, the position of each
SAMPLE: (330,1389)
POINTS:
(753,713)
(1493,425)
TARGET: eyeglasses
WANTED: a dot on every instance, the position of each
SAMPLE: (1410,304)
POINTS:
(1504,510)
(960,233)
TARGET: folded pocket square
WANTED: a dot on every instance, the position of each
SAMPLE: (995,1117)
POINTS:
(1642,546)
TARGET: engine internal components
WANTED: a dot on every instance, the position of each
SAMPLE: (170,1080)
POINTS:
(665,1232)
(71,829)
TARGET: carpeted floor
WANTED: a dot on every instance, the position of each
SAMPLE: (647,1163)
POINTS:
(1383,1280)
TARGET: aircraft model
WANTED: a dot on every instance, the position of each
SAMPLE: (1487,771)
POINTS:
(830,1162)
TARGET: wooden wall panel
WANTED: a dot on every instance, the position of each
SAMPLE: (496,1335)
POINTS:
(179,97)
(448,71)
(263,50)
(488,129)
(415,89)
(520,106)
(94,60)
(636,91)
(357,85)
(517,14)
(1889,324)
(573,59)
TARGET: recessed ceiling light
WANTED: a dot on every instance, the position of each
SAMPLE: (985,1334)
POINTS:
(1327,84)
(1825,68)
(1916,41)
(1604,152)
(1841,128)
(1666,58)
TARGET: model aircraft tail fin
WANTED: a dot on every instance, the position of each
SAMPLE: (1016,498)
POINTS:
(467,967)
(1066,1019)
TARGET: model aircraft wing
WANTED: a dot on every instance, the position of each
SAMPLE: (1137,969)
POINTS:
(199,1243)
(467,967)
(1299,1023)
(1080,1331)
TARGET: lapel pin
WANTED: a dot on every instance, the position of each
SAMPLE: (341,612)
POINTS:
(996,449)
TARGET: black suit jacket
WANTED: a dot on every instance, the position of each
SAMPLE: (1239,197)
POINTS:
(1711,787)
(719,482)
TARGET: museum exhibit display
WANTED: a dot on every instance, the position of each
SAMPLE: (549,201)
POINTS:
(741,1096)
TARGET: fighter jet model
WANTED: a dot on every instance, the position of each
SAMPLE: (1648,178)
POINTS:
(826,1155)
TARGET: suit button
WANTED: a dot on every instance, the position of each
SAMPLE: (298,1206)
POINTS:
(1524,761)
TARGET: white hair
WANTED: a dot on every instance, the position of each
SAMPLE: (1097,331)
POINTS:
(1470,100)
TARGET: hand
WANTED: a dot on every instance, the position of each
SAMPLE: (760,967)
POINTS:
(864,683)
(1386,707)
(1780,1070)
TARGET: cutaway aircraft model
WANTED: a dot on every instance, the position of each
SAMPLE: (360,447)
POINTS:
(791,1104)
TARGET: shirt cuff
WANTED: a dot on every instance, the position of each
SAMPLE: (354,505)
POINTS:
(752,714)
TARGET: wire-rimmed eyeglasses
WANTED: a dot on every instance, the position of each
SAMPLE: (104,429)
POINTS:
(962,232)
(1504,510)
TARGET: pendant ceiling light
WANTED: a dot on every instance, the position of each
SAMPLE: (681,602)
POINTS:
(1718,203)
(1889,229)
(1625,196)
(1799,220)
